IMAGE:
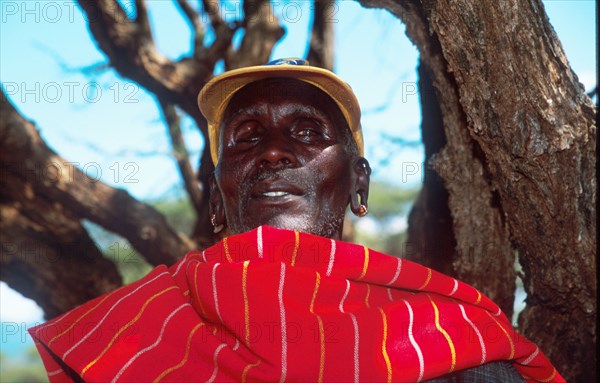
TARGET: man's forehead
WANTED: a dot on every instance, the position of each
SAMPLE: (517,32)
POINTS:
(299,97)
(274,88)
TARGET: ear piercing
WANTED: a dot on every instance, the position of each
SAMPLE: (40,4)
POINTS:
(213,221)
(362,210)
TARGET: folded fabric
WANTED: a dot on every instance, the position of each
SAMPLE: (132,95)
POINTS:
(278,305)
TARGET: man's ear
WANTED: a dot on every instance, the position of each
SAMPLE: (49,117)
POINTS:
(360,189)
(215,203)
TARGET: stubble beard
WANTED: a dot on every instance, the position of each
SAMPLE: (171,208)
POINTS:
(325,223)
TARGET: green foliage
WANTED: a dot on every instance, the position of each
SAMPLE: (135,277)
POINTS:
(131,265)
(384,229)
(388,201)
(178,211)
(26,367)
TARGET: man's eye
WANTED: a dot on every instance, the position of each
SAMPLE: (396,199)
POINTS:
(246,139)
(308,129)
(307,132)
(247,132)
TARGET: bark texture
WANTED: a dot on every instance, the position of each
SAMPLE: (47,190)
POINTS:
(518,163)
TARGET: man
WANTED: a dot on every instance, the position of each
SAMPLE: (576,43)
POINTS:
(280,298)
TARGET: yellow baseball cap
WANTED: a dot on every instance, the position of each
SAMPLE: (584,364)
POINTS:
(217,93)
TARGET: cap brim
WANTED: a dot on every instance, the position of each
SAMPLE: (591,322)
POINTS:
(216,94)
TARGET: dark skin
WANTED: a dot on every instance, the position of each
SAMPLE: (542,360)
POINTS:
(286,159)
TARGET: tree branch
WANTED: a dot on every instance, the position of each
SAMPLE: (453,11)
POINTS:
(322,40)
(141,19)
(262,31)
(197,28)
(211,7)
(181,155)
(131,51)
(25,155)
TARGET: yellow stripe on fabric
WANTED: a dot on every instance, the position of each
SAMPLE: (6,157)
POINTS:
(550,378)
(512,345)
(247,368)
(226,248)
(478,298)
(185,357)
(367,297)
(426,280)
(80,318)
(321,329)
(448,339)
(365,265)
(129,324)
(245,295)
(296,246)
(388,364)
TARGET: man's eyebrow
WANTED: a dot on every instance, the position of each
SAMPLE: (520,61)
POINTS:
(305,110)
(249,111)
(292,110)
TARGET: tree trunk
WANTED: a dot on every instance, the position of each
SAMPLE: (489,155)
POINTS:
(518,163)
(48,257)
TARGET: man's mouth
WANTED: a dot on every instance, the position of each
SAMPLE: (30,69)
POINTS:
(275,188)
(275,194)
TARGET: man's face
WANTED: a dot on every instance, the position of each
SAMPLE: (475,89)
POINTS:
(285,160)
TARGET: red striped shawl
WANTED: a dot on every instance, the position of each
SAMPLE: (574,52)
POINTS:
(278,305)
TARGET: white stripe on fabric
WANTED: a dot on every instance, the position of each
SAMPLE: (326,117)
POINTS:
(283,325)
(398,269)
(259,241)
(531,357)
(483,350)
(414,342)
(215,293)
(345,295)
(216,369)
(356,345)
(55,372)
(108,313)
(454,288)
(356,333)
(53,323)
(331,258)
(389,291)
(153,345)
(180,264)
(204,256)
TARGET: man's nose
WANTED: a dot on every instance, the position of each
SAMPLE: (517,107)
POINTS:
(277,151)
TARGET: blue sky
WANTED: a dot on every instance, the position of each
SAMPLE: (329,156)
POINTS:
(112,128)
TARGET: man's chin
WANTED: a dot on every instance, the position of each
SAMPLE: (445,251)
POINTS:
(302,223)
